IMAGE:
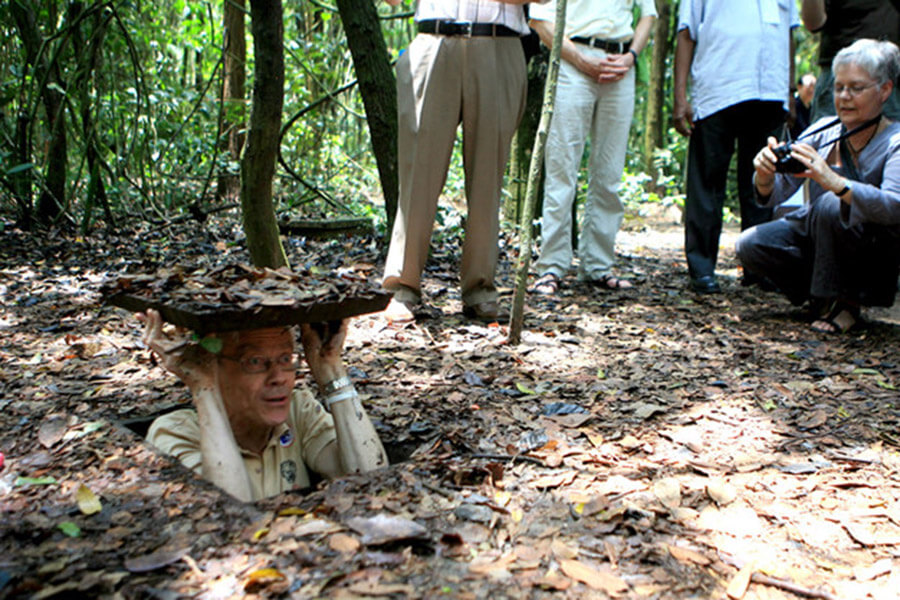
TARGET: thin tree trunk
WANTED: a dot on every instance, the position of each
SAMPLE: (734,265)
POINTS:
(233,91)
(523,141)
(23,179)
(653,117)
(258,163)
(82,85)
(51,202)
(517,316)
(378,87)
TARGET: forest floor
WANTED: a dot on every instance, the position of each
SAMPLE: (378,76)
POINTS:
(646,443)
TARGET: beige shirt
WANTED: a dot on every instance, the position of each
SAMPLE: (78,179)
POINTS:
(282,464)
(610,20)
(475,11)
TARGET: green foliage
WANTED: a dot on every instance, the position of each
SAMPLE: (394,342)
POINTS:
(153,100)
(150,107)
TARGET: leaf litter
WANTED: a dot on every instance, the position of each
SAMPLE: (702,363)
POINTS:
(639,444)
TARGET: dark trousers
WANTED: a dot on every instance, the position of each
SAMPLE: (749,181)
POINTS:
(709,155)
(811,253)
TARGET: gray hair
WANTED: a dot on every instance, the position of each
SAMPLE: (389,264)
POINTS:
(880,59)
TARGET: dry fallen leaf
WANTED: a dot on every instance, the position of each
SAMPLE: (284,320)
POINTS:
(594,579)
(52,430)
(630,442)
(261,578)
(869,572)
(485,564)
(155,560)
(562,551)
(383,528)
(720,491)
(738,585)
(668,492)
(552,481)
(341,542)
(688,555)
(382,590)
(88,502)
(553,580)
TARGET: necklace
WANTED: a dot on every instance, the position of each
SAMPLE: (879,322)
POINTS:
(855,152)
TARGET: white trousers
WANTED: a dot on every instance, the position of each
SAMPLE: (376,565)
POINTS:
(603,111)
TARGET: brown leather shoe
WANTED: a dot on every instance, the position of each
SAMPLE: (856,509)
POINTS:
(486,312)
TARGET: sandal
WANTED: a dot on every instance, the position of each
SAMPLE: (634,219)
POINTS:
(611,282)
(842,318)
(546,284)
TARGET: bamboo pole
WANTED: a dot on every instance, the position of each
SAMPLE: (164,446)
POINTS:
(517,316)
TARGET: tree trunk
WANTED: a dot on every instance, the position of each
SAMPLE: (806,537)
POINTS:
(523,142)
(656,89)
(258,163)
(91,42)
(378,87)
(517,315)
(51,202)
(233,91)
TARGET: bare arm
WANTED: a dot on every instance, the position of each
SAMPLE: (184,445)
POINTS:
(569,51)
(221,461)
(683,113)
(357,447)
(642,32)
(813,15)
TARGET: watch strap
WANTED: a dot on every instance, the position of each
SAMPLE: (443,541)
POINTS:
(337,384)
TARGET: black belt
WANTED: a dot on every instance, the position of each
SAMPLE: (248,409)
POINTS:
(466,29)
(612,47)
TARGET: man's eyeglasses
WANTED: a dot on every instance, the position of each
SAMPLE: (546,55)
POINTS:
(262,364)
(852,90)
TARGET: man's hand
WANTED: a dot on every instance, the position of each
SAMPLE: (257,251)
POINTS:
(613,67)
(683,117)
(322,347)
(179,355)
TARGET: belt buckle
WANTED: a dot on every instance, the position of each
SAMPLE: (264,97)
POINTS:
(464,28)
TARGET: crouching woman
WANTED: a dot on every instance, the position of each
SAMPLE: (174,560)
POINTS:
(840,251)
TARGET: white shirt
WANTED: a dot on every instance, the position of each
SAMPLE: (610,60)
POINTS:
(605,19)
(474,11)
(743,51)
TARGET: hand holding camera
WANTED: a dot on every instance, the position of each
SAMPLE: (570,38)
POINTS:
(785,163)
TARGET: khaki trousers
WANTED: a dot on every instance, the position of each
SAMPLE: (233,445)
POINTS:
(442,82)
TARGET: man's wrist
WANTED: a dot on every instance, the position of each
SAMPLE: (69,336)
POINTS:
(634,54)
(345,393)
(336,384)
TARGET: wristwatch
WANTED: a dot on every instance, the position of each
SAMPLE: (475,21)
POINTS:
(844,191)
(336,384)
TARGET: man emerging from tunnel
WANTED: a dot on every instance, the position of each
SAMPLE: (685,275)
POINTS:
(250,432)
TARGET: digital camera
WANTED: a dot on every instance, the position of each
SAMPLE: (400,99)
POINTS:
(787,163)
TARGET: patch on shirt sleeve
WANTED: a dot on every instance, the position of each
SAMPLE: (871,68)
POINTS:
(286,439)
(289,471)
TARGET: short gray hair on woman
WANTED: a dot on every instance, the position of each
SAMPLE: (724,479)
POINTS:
(880,59)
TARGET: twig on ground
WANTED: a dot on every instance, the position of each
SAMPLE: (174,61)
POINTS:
(791,587)
(438,490)
(510,457)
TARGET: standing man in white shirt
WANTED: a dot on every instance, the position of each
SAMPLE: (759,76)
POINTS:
(466,65)
(739,57)
(595,96)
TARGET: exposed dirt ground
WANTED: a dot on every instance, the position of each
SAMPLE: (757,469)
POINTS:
(647,443)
